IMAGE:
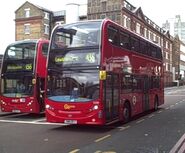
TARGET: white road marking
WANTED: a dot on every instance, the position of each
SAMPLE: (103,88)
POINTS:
(74,151)
(124,127)
(159,112)
(102,138)
(40,120)
(140,121)
(32,122)
(150,116)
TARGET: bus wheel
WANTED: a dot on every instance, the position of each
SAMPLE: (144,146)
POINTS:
(126,113)
(156,104)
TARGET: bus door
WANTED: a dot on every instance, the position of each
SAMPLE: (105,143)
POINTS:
(40,92)
(146,87)
(111,96)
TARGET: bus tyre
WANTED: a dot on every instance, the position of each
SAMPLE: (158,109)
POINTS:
(156,104)
(126,113)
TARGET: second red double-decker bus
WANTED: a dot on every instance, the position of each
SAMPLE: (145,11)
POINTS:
(99,73)
(23,76)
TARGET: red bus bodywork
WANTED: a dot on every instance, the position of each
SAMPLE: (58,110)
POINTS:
(130,82)
(13,71)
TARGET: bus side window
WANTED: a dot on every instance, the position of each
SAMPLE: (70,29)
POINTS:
(159,54)
(113,36)
(134,44)
(153,51)
(143,47)
(155,82)
(124,41)
(126,83)
(136,83)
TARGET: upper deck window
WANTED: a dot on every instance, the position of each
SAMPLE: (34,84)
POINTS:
(21,51)
(76,35)
(113,36)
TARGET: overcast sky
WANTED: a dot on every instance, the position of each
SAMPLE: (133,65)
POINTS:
(158,11)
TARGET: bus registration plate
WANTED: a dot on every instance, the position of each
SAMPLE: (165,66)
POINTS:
(70,121)
(16,111)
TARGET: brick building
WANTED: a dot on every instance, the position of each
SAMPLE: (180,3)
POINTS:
(32,21)
(182,61)
(132,18)
(176,58)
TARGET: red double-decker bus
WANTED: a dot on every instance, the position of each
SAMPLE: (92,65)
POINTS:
(100,73)
(23,76)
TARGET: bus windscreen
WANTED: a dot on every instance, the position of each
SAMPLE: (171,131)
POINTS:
(76,35)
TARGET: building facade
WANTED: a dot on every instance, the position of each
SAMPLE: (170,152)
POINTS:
(182,61)
(34,22)
(132,18)
(100,9)
(176,59)
(176,27)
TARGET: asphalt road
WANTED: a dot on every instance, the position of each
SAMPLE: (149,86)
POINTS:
(152,132)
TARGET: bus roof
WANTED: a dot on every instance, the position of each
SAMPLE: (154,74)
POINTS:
(27,41)
(108,20)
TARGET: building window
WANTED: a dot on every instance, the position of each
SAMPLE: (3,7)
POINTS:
(161,42)
(154,37)
(145,32)
(27,12)
(157,40)
(170,47)
(103,16)
(124,20)
(46,15)
(26,28)
(151,36)
(166,45)
(164,55)
(167,66)
(128,23)
(104,5)
(46,29)
(138,28)
(167,55)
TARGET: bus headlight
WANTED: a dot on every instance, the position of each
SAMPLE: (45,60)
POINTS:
(49,107)
(3,103)
(95,107)
(29,104)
